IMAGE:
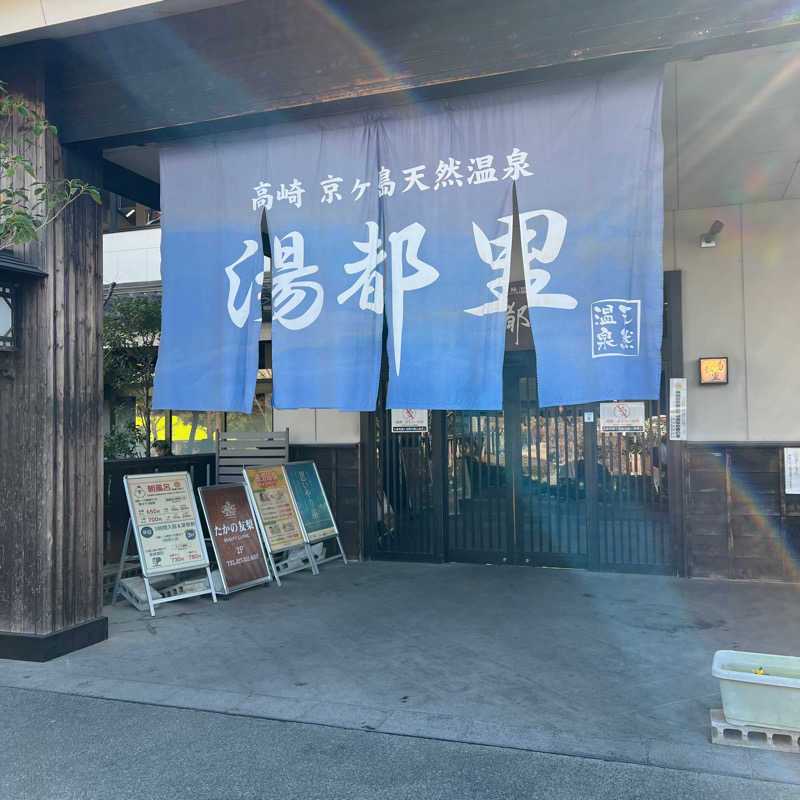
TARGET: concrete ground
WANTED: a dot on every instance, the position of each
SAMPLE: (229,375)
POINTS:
(607,666)
(77,748)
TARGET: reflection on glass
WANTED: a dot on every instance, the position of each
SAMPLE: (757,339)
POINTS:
(193,432)
(260,419)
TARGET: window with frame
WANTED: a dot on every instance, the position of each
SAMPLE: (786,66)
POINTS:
(7,303)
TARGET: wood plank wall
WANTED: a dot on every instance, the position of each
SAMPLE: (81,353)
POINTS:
(51,405)
(739,522)
(338,467)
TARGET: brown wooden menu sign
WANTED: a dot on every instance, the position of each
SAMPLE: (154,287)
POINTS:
(234,535)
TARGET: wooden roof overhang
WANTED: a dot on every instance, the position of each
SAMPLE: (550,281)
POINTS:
(262,61)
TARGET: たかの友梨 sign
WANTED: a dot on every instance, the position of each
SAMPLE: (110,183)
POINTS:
(622,417)
(165,522)
(234,535)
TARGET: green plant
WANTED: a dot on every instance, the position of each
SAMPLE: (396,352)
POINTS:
(27,204)
(130,348)
(122,441)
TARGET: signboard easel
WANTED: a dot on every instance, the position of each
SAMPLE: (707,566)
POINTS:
(237,544)
(167,530)
(276,515)
(311,505)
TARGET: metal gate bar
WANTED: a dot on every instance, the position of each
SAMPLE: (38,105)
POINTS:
(408,519)
(477,490)
(552,514)
(633,508)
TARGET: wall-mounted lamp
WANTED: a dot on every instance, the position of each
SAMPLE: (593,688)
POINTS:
(709,238)
(713,370)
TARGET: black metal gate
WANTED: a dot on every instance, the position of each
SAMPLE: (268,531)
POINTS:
(408,524)
(531,485)
(543,486)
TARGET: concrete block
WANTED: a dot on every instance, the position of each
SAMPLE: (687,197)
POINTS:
(724,732)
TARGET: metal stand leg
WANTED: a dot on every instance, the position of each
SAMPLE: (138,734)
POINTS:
(273,567)
(311,559)
(341,549)
(122,560)
(149,597)
(211,584)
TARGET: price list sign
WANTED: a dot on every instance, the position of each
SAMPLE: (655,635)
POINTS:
(165,522)
(273,502)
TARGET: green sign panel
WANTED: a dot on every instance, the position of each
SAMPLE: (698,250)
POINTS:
(310,501)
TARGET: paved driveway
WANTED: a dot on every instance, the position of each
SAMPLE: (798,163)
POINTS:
(68,748)
(610,666)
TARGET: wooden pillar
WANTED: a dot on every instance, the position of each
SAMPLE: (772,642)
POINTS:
(672,359)
(51,398)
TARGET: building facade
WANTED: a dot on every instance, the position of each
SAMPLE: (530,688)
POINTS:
(518,484)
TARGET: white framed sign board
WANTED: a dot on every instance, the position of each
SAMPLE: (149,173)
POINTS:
(677,409)
(791,470)
(167,530)
(312,506)
(292,511)
(409,420)
(622,417)
(276,516)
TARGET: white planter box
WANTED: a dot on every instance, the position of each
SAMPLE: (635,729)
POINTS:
(771,700)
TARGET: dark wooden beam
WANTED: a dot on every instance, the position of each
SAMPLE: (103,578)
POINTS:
(129,184)
(276,58)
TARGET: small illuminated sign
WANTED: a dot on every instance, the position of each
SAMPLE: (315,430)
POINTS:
(714,370)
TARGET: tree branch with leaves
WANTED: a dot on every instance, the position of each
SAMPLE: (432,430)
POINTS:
(130,348)
(28,204)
